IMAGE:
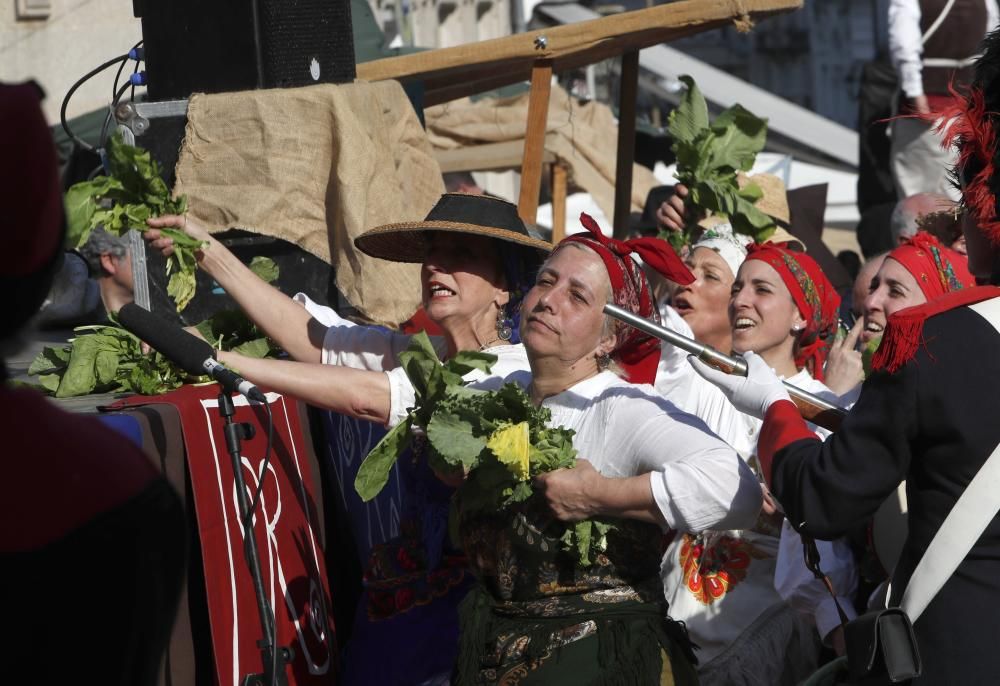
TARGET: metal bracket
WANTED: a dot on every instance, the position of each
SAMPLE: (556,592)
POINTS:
(136,116)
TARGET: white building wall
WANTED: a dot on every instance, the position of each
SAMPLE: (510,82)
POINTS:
(77,36)
(446,23)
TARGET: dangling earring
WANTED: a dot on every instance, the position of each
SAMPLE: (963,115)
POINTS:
(504,328)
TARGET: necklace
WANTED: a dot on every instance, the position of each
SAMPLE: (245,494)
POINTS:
(487,344)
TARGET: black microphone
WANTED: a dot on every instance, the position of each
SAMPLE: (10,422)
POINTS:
(190,353)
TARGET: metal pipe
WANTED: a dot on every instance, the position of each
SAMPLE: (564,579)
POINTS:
(711,356)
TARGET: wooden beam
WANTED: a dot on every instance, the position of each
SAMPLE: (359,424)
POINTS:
(466,69)
(629,85)
(558,202)
(501,156)
(534,140)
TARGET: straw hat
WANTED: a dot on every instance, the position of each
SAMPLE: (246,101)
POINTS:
(461,213)
(774,201)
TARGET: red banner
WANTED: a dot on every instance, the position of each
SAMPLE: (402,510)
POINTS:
(291,557)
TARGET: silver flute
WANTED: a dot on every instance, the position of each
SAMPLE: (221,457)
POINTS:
(812,407)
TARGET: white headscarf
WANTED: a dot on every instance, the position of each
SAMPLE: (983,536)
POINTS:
(731,246)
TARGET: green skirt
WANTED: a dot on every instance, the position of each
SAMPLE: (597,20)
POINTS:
(627,644)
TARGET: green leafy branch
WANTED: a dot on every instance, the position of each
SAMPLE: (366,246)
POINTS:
(709,156)
(103,359)
(109,359)
(499,439)
(131,193)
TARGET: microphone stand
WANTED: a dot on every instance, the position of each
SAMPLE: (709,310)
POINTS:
(274,669)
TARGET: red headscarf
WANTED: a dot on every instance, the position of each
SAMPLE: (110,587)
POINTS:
(813,294)
(636,352)
(937,269)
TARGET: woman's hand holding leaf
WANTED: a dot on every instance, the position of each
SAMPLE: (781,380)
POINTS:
(671,215)
(171,230)
(569,492)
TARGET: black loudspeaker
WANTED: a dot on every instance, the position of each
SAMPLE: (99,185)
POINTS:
(233,45)
(299,272)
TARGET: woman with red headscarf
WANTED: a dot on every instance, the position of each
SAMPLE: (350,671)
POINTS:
(537,616)
(745,594)
(919,270)
(927,414)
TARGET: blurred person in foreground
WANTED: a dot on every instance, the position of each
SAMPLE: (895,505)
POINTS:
(92,542)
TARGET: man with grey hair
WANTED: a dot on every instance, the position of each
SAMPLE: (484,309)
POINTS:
(108,259)
(903,222)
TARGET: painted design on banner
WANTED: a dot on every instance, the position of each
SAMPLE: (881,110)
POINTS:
(312,640)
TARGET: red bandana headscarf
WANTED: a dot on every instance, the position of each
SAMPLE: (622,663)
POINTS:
(813,294)
(937,269)
(636,352)
(943,275)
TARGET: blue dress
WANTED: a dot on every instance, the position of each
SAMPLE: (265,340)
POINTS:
(406,625)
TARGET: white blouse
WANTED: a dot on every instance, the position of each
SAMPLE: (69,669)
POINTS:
(377,349)
(775,569)
(626,429)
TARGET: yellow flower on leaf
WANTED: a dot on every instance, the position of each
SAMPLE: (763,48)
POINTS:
(510,444)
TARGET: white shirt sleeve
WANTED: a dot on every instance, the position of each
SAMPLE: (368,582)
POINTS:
(327,316)
(799,588)
(675,379)
(698,481)
(906,45)
(992,15)
(359,347)
(402,396)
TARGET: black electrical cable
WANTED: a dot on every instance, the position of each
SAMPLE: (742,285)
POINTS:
(267,460)
(248,531)
(121,67)
(135,71)
(69,94)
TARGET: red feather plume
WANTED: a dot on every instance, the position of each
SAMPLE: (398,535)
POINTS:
(966,124)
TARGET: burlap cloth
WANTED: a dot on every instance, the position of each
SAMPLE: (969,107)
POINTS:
(582,137)
(316,166)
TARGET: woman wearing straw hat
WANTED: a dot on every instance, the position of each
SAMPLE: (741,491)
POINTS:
(477,262)
(537,616)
